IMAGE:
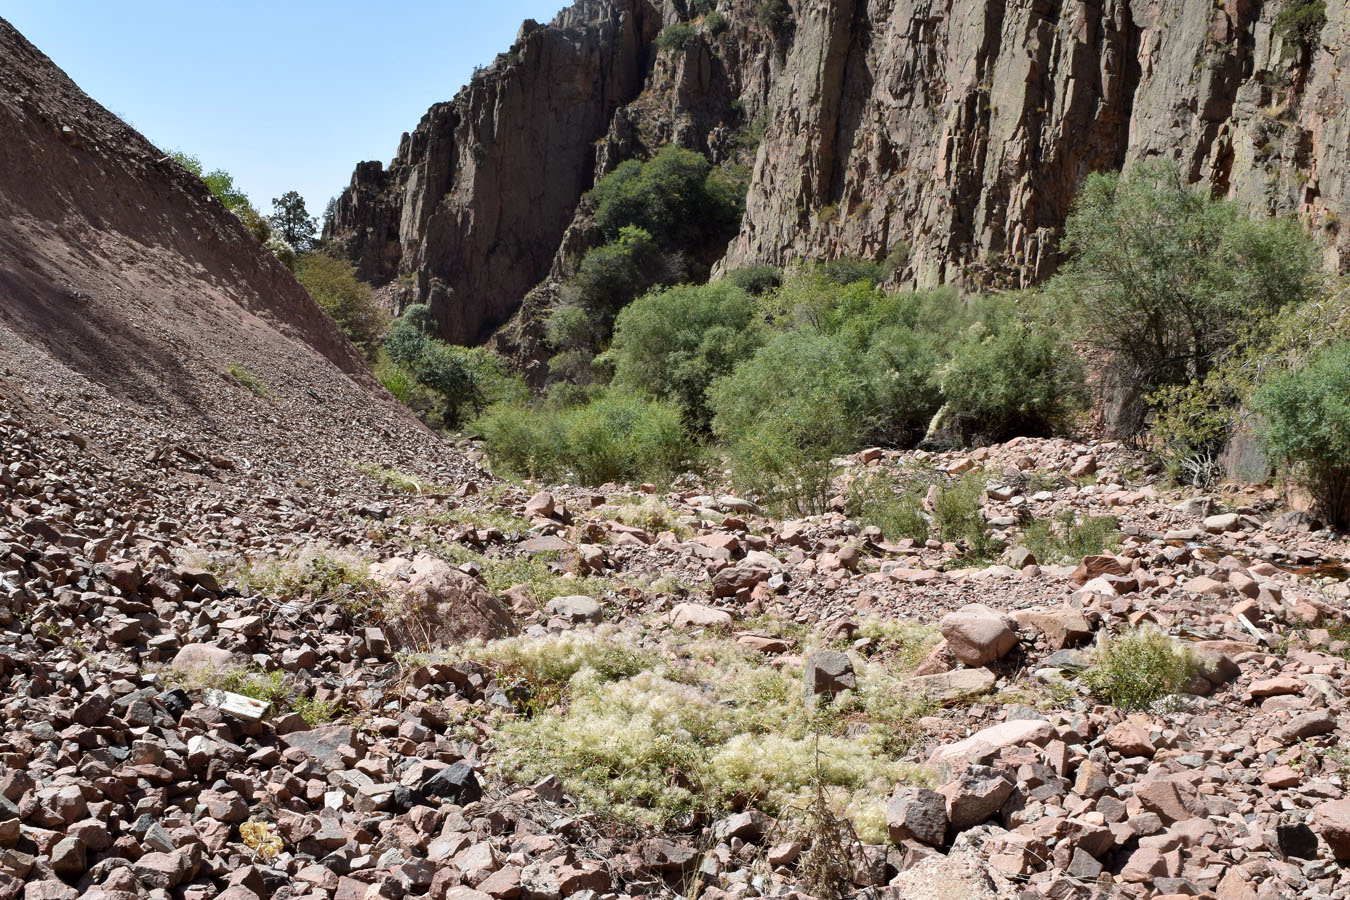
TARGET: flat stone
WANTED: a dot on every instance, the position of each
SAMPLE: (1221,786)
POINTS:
(994,738)
(945,687)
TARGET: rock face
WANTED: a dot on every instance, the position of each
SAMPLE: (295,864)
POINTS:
(959,130)
(475,203)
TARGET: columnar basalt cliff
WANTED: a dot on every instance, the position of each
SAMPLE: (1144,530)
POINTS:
(956,131)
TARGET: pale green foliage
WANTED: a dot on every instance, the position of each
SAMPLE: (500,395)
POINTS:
(958,516)
(250,380)
(317,575)
(673,343)
(1138,668)
(732,726)
(893,504)
(399,482)
(1307,426)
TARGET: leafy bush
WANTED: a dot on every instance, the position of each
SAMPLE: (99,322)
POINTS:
(443,384)
(610,276)
(891,504)
(334,286)
(703,7)
(1307,427)
(716,22)
(674,36)
(674,343)
(217,181)
(784,413)
(1012,378)
(254,382)
(619,436)
(850,270)
(757,279)
(1139,668)
(1165,277)
(676,197)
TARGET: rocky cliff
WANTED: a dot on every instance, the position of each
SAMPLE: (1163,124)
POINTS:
(953,134)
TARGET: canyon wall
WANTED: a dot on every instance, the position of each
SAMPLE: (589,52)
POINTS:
(949,134)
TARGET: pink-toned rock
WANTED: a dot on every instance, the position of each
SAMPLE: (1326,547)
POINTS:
(197,656)
(1129,739)
(1274,687)
(977,634)
(1332,822)
(994,738)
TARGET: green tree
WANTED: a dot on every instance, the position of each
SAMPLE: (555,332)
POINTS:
(334,286)
(292,222)
(676,197)
(1307,427)
(1165,276)
(674,342)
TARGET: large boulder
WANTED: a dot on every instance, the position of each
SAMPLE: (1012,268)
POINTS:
(978,635)
(439,604)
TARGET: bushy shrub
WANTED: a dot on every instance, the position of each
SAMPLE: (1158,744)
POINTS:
(703,7)
(1307,427)
(674,36)
(757,279)
(1067,539)
(784,413)
(1165,277)
(851,269)
(618,436)
(1011,378)
(1139,668)
(610,276)
(674,343)
(443,384)
(334,286)
(676,197)
(958,515)
(716,22)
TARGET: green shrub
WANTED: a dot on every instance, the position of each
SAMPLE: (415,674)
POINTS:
(757,279)
(896,260)
(677,197)
(1307,427)
(1300,23)
(443,384)
(1067,539)
(850,270)
(703,7)
(1165,277)
(612,275)
(674,36)
(674,343)
(774,15)
(334,286)
(618,436)
(891,504)
(1013,378)
(255,384)
(784,413)
(716,22)
(217,181)
(1139,668)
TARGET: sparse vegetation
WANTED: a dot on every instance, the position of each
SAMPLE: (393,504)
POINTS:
(399,482)
(250,380)
(958,516)
(892,504)
(1139,668)
(1299,23)
(674,36)
(1069,538)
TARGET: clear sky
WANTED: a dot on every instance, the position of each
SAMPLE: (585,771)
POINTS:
(286,94)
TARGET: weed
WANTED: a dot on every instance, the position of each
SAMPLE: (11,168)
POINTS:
(1139,668)
(958,516)
(892,504)
(248,379)
(315,711)
(1073,539)
(320,577)
(399,482)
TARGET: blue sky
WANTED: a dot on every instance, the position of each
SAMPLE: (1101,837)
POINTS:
(288,94)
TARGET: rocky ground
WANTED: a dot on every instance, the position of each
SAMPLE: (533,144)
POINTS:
(175,724)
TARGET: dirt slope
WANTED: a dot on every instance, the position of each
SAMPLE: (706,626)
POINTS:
(127,290)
